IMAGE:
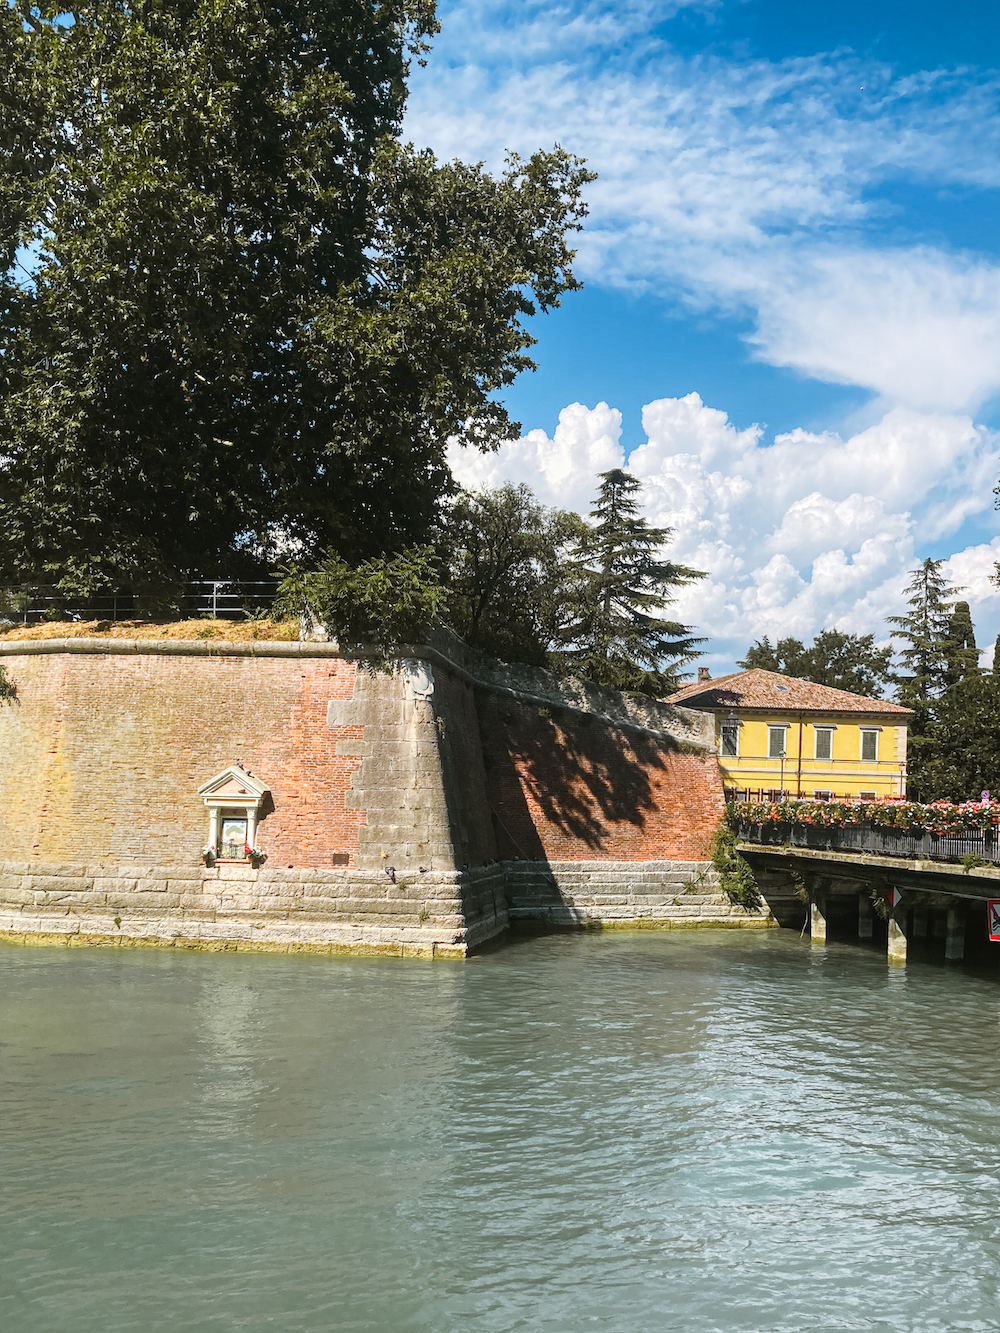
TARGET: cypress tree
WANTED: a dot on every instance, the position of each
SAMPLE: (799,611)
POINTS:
(963,655)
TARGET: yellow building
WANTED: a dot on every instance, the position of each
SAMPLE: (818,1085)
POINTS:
(778,734)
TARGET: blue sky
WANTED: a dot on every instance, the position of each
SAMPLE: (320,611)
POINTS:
(791,322)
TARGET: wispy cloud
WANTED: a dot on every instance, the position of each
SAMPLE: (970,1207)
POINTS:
(745,186)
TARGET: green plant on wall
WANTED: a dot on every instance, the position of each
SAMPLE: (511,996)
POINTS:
(8,690)
(735,876)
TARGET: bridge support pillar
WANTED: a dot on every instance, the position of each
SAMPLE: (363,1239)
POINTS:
(920,923)
(954,941)
(817,920)
(865,918)
(896,951)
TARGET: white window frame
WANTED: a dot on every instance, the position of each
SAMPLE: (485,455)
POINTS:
(783,728)
(822,794)
(828,731)
(868,731)
(729,726)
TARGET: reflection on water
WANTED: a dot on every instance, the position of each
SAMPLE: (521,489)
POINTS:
(635,1132)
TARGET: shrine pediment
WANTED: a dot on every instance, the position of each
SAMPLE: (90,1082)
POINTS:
(234,786)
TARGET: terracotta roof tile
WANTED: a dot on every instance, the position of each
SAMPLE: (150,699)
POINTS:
(769,690)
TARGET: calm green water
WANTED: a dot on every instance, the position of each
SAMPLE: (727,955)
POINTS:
(704,1131)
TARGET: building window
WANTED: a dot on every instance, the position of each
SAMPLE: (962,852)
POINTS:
(866,796)
(869,745)
(822,795)
(824,743)
(775,742)
(731,739)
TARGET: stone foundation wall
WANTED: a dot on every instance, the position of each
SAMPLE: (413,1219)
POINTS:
(624,894)
(440,914)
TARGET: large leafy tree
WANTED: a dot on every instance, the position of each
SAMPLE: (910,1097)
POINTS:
(512,588)
(851,662)
(254,317)
(620,639)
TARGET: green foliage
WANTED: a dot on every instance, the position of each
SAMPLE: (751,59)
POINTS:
(512,590)
(960,646)
(970,861)
(938,652)
(255,317)
(925,632)
(849,662)
(381,605)
(618,639)
(8,690)
(735,876)
(961,748)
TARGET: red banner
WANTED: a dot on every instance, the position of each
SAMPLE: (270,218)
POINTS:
(993,918)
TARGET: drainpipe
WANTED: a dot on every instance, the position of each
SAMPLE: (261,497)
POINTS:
(799,784)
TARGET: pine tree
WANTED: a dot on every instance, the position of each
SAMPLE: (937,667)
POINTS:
(619,640)
(926,632)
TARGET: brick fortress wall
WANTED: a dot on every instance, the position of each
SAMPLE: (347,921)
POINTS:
(103,755)
(444,772)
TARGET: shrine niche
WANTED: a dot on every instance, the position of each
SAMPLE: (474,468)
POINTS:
(233,799)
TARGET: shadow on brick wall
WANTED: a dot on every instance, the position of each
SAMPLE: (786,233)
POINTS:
(557,769)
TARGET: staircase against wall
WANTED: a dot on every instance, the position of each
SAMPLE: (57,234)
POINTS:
(628,894)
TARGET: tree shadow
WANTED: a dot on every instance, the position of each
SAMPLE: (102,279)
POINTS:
(565,773)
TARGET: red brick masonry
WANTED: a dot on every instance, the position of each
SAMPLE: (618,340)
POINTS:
(436,773)
(565,786)
(103,755)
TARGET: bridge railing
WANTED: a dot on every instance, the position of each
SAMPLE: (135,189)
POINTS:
(918,846)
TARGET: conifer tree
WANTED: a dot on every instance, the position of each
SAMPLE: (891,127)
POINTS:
(928,657)
(925,631)
(963,655)
(620,640)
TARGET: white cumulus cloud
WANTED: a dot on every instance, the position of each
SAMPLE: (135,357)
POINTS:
(806,533)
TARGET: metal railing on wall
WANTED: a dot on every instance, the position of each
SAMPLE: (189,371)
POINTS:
(877,839)
(222,599)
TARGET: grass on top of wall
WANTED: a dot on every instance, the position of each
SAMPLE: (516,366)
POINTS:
(235,631)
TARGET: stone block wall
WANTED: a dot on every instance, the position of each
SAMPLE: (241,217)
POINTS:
(626,894)
(438,914)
